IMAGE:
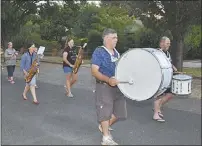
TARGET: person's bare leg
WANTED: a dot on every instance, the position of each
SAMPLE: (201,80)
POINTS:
(25,91)
(166,98)
(107,138)
(33,92)
(157,109)
(105,128)
(68,83)
(74,78)
(112,120)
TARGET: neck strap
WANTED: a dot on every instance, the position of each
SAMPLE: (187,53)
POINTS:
(110,52)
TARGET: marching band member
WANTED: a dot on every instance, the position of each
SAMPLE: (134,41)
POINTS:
(69,58)
(25,64)
(110,102)
(10,57)
(167,95)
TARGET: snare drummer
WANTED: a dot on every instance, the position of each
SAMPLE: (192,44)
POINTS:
(167,95)
(110,102)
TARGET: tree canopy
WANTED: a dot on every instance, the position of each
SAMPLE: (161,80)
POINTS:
(138,23)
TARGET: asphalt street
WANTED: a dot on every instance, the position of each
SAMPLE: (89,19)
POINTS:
(192,63)
(60,120)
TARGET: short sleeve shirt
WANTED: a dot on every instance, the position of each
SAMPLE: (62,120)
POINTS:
(71,57)
(105,61)
(10,61)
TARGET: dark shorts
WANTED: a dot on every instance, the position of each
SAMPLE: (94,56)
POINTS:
(109,100)
(165,92)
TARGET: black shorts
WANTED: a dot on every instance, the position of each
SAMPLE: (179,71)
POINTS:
(167,91)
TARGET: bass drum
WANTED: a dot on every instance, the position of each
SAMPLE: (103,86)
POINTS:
(149,69)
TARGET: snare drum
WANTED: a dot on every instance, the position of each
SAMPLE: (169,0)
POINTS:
(181,84)
(148,68)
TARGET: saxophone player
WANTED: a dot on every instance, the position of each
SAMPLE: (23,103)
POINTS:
(25,64)
(69,58)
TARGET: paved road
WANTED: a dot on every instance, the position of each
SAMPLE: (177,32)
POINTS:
(192,63)
(64,121)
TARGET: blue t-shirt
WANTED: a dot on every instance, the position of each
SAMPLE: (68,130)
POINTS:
(105,61)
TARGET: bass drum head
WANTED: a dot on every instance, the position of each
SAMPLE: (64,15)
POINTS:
(143,68)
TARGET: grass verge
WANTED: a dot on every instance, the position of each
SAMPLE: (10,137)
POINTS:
(195,72)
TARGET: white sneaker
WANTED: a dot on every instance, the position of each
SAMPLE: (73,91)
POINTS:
(110,129)
(108,141)
(70,95)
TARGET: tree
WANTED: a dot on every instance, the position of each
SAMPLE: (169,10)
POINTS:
(173,16)
(85,19)
(193,42)
(57,21)
(14,15)
(92,20)
(116,18)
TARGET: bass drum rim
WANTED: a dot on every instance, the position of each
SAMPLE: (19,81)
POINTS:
(162,77)
(130,49)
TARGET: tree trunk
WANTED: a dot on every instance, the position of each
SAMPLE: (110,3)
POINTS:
(4,42)
(177,46)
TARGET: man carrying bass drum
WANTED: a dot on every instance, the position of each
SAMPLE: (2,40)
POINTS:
(110,102)
(167,95)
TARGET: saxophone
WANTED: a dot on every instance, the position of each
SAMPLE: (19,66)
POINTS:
(79,59)
(33,70)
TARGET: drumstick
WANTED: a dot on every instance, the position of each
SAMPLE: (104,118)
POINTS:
(180,72)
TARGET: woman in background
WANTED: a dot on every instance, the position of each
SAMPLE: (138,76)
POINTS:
(10,61)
